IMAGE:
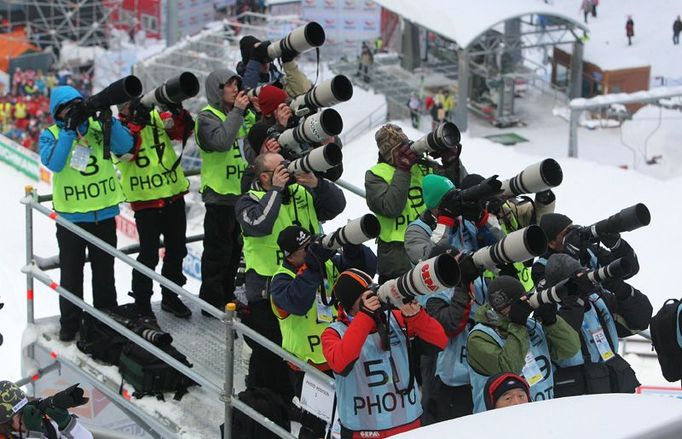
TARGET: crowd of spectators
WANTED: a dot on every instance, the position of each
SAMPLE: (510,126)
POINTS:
(24,105)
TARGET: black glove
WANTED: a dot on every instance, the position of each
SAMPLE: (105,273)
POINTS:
(260,53)
(140,114)
(546,314)
(472,211)
(545,197)
(353,251)
(494,205)
(75,116)
(451,205)
(60,416)
(317,255)
(469,271)
(175,108)
(67,398)
(519,312)
(575,244)
(288,55)
(610,240)
(580,285)
(620,289)
(507,270)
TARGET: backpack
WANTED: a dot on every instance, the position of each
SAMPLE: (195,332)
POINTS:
(150,375)
(99,340)
(265,402)
(666,329)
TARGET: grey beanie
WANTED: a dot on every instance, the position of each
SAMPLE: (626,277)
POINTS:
(559,267)
(503,291)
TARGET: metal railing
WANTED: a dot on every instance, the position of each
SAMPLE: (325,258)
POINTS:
(225,391)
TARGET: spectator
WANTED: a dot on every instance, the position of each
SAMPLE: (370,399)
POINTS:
(630,29)
(677,28)
(366,61)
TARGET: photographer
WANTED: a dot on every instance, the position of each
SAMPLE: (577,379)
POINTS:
(394,195)
(600,313)
(220,131)
(301,297)
(505,339)
(564,237)
(86,192)
(368,350)
(257,68)
(505,390)
(272,204)
(155,185)
(21,417)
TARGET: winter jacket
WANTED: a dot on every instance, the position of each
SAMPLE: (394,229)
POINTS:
(389,200)
(518,213)
(677,26)
(257,218)
(74,430)
(630,28)
(487,357)
(55,152)
(296,296)
(453,315)
(216,135)
(294,81)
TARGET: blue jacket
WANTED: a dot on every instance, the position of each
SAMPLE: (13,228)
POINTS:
(296,296)
(252,76)
(54,152)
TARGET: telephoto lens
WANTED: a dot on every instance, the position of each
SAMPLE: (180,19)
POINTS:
(535,178)
(356,231)
(427,277)
(173,91)
(329,93)
(617,269)
(318,159)
(627,220)
(299,40)
(446,136)
(518,246)
(116,93)
(314,129)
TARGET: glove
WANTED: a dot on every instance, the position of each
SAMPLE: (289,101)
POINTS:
(70,397)
(75,116)
(469,271)
(579,285)
(472,211)
(60,416)
(260,53)
(32,418)
(317,255)
(494,205)
(620,289)
(451,205)
(545,197)
(139,113)
(243,310)
(546,314)
(519,312)
(575,244)
(288,55)
(610,240)
(449,156)
(404,158)
(175,109)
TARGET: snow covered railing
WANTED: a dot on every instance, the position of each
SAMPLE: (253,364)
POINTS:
(226,391)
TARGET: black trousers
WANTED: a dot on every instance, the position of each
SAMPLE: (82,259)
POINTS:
(220,259)
(440,401)
(265,368)
(171,222)
(311,425)
(71,262)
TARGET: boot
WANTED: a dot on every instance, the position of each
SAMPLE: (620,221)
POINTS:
(171,303)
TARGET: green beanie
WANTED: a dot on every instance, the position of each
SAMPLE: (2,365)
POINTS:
(435,187)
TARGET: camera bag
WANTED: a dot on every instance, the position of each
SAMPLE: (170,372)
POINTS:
(99,340)
(666,330)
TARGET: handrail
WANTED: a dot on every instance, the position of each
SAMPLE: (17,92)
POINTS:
(351,187)
(39,374)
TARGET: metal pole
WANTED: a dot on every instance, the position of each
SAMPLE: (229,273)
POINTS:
(351,187)
(29,191)
(229,368)
(171,22)
(573,134)
(49,368)
(461,110)
(125,258)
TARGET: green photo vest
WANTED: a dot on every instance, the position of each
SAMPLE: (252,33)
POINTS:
(301,335)
(261,253)
(149,176)
(393,229)
(222,171)
(90,190)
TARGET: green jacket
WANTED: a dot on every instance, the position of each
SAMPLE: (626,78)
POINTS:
(488,358)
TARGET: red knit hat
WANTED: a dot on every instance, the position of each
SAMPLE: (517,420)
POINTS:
(270,97)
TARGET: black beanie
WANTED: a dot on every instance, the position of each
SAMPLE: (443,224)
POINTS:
(559,267)
(257,135)
(292,238)
(349,286)
(503,291)
(245,46)
(500,383)
(553,223)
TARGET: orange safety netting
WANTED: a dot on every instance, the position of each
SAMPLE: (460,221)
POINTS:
(12,45)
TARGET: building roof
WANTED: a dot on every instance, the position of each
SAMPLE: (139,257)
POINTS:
(464,21)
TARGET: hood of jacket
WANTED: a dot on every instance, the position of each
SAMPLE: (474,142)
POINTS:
(214,94)
(62,95)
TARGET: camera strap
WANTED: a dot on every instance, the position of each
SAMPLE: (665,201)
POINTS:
(410,363)
(161,147)
(104,118)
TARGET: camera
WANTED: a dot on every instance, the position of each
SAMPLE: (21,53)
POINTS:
(617,269)
(314,128)
(535,178)
(116,93)
(173,91)
(329,93)
(626,220)
(446,136)
(65,399)
(427,277)
(518,246)
(299,40)
(317,160)
(145,328)
(356,231)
